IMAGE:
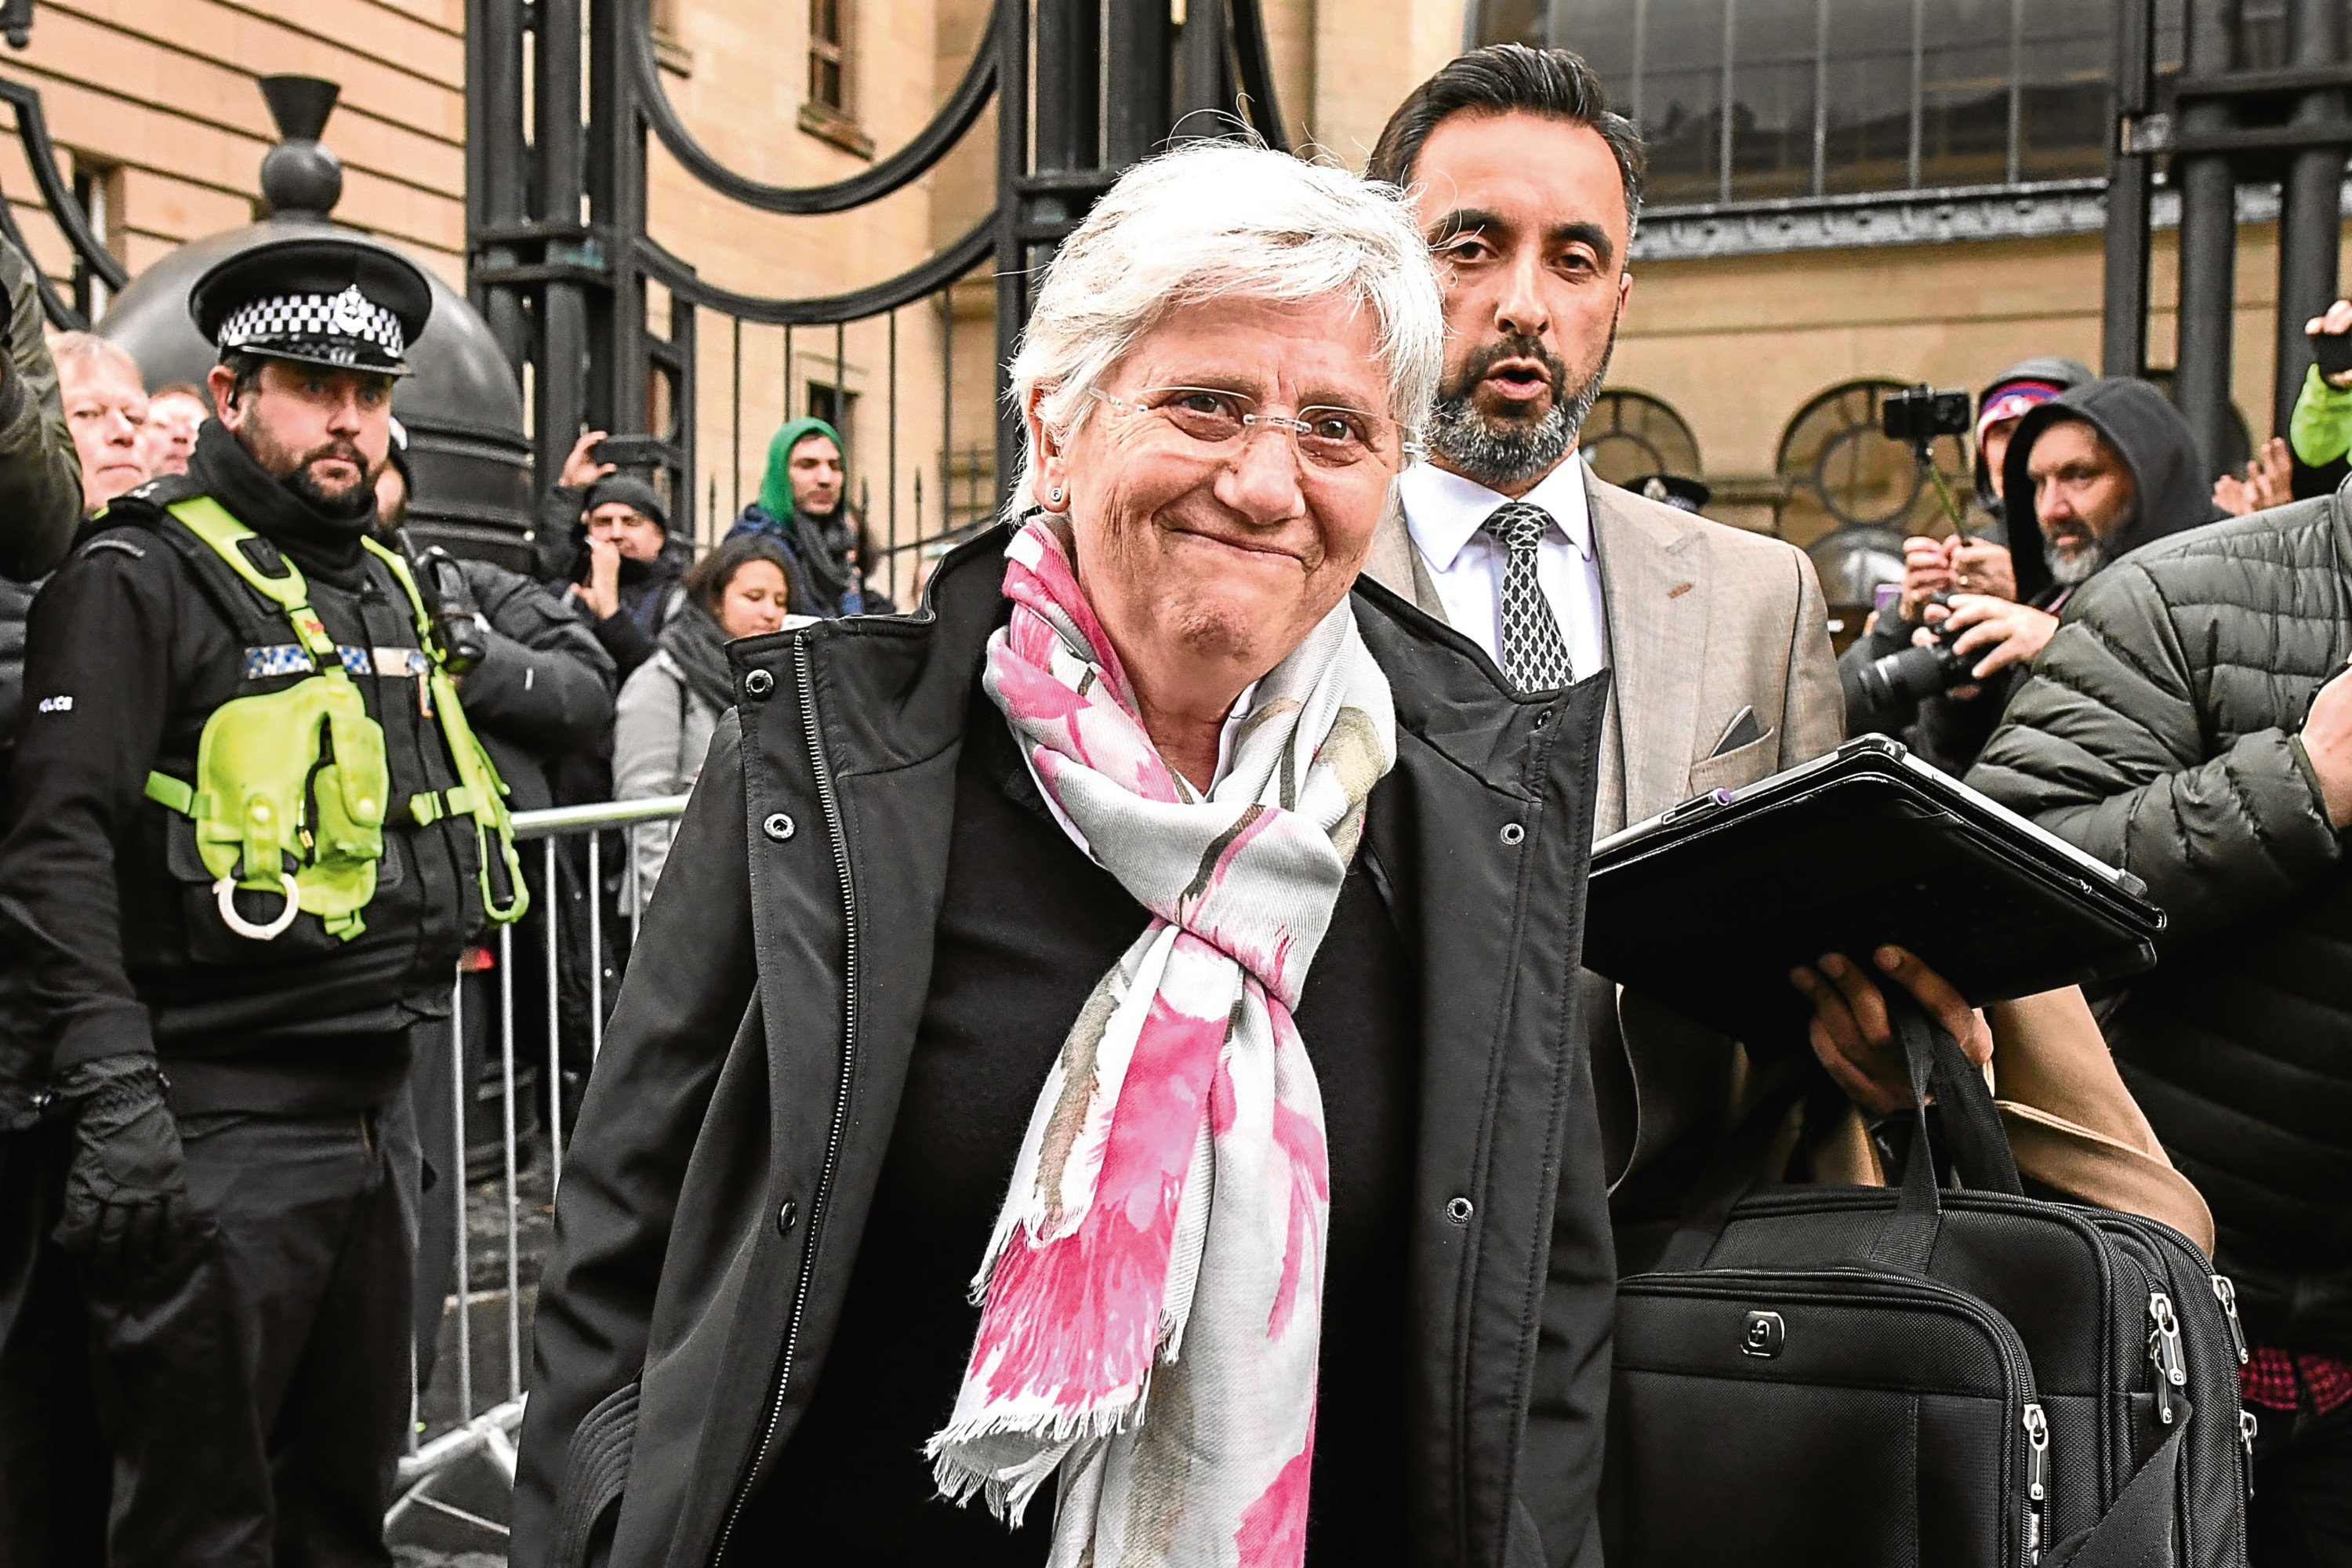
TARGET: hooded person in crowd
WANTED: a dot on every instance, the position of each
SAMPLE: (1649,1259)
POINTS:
(2005,402)
(803,505)
(2089,475)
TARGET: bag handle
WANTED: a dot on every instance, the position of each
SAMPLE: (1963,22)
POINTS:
(1973,1135)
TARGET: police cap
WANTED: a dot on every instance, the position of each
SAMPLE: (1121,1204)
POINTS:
(1688,495)
(318,299)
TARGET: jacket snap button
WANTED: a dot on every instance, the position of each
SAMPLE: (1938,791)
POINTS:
(787,1217)
(759,683)
(1513,834)
(1458,1211)
(779,828)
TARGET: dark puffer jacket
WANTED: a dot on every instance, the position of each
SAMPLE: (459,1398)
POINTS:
(2160,732)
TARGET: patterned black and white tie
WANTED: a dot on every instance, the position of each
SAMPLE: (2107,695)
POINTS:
(1535,655)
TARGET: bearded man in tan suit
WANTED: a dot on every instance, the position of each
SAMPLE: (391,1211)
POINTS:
(1716,640)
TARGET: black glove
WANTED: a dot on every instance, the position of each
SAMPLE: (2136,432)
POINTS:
(125,1201)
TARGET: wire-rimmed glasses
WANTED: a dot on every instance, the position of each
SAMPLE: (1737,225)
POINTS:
(1327,437)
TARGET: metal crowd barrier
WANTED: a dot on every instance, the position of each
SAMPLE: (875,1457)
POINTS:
(490,1431)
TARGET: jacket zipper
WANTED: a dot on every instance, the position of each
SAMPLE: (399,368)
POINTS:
(2226,1293)
(2164,1351)
(839,835)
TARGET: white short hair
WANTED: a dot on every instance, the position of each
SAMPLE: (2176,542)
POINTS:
(1221,220)
(78,349)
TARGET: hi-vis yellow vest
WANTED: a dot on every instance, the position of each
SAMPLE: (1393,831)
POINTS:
(292,788)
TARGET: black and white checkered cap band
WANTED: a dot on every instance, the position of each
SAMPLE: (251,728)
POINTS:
(288,319)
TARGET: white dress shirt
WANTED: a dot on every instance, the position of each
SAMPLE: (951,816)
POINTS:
(1446,515)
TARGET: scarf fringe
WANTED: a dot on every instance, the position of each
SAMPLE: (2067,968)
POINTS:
(1007,1493)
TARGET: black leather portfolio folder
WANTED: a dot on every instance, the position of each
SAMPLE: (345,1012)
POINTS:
(1708,905)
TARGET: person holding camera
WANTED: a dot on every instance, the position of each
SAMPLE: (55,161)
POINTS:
(1890,698)
(2090,474)
(253,829)
(604,535)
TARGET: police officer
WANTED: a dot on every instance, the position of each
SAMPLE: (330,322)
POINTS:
(251,830)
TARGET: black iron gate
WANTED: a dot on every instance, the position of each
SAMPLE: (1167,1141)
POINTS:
(614,331)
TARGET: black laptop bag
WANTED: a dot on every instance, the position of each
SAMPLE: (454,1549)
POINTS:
(1831,1374)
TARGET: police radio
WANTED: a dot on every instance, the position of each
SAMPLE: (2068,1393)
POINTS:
(459,627)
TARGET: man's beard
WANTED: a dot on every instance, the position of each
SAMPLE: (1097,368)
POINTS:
(1503,455)
(2069,567)
(355,503)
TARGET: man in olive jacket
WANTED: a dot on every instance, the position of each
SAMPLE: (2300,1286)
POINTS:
(2191,722)
(40,476)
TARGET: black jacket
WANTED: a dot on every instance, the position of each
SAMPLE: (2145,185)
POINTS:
(2160,732)
(543,690)
(110,941)
(733,1132)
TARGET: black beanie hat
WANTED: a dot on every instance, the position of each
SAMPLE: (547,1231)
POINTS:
(633,494)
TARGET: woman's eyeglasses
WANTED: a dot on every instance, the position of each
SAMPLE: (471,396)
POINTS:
(1326,438)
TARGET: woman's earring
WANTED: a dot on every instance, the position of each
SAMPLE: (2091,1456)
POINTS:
(1055,495)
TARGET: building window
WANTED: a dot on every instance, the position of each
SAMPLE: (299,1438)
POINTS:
(1630,435)
(837,408)
(830,111)
(829,55)
(97,189)
(1764,100)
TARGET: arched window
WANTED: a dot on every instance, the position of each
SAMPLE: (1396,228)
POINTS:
(1844,472)
(1629,435)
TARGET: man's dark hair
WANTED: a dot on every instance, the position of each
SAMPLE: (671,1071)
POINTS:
(1508,78)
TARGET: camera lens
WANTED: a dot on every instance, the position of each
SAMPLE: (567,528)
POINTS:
(1903,679)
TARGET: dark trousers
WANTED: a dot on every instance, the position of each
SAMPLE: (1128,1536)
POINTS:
(253,1395)
(431,1092)
(2301,1513)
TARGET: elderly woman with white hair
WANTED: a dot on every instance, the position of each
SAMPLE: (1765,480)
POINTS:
(1101,1051)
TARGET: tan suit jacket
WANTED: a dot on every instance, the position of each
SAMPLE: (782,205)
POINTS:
(1705,621)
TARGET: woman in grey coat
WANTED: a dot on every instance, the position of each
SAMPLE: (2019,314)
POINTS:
(668,707)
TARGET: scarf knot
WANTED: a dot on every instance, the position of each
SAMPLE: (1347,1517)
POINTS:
(1151,1298)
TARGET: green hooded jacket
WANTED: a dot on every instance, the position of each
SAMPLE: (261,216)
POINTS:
(776,489)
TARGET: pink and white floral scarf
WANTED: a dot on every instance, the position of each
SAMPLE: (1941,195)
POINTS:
(1152,1297)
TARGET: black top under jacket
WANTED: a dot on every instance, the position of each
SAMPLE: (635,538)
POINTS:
(738,1133)
(109,940)
(1029,926)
